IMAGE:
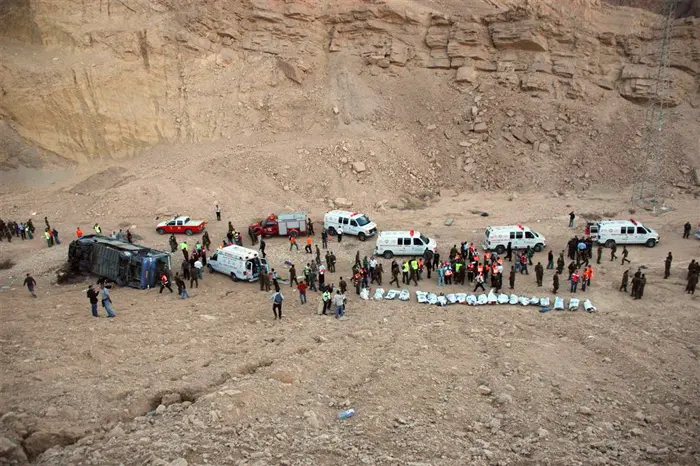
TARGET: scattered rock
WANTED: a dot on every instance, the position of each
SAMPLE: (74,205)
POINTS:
(171,399)
(161,409)
(336,110)
(636,432)
(503,399)
(466,74)
(542,433)
(38,442)
(359,167)
(480,127)
(116,432)
(548,125)
(431,127)
(178,462)
(544,147)
(341,202)
(484,390)
(585,410)
(313,420)
(11,453)
(290,71)
(344,160)
(449,222)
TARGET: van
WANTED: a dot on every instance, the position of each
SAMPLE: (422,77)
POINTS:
(519,237)
(352,223)
(241,264)
(611,232)
(403,243)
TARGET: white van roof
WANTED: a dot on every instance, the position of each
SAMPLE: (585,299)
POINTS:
(508,228)
(239,252)
(397,234)
(345,213)
(619,222)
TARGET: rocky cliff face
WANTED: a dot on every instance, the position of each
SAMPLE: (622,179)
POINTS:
(108,79)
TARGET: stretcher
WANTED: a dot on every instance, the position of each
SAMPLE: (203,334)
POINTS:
(392,294)
(558,303)
(442,300)
(451,298)
(405,295)
(503,298)
(588,306)
(432,298)
(573,304)
(492,298)
(364,293)
(482,299)
(422,297)
(379,294)
(471,300)
(544,302)
(462,298)
(513,299)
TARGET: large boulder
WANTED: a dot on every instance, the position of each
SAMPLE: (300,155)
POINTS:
(520,35)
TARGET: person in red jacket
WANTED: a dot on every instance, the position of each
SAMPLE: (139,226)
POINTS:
(574,280)
(78,232)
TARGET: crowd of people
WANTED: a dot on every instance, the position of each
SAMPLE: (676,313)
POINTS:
(465,265)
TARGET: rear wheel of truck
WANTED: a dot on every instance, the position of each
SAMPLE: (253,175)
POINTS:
(388,254)
(234,277)
(331,231)
(188,232)
(160,231)
(500,249)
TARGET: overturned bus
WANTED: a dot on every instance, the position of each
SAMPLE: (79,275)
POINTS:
(125,264)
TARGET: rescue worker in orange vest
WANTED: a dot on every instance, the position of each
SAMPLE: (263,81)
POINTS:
(164,283)
(293,242)
(79,232)
(486,270)
(307,248)
(419,271)
(587,275)
(470,272)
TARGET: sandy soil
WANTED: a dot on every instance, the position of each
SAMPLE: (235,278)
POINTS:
(614,387)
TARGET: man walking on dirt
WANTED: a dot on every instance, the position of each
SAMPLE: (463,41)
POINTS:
(293,276)
(30,283)
(686,230)
(218,213)
(555,283)
(277,299)
(625,281)
(262,248)
(625,252)
(539,273)
(107,300)
(572,217)
(164,283)
(511,278)
(92,295)
(613,250)
(600,253)
(324,238)
(667,265)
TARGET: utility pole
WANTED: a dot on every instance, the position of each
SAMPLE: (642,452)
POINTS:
(653,155)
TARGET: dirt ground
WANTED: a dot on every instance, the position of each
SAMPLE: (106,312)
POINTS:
(438,386)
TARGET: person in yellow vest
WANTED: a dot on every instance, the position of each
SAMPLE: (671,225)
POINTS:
(459,273)
(49,239)
(404,269)
(413,271)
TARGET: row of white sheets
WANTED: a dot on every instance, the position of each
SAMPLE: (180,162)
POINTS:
(424,297)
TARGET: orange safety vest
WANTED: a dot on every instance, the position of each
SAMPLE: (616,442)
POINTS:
(480,269)
(308,241)
(476,257)
(292,239)
(494,269)
(487,255)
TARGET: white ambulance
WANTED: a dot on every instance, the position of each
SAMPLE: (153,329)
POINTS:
(352,223)
(241,264)
(403,243)
(519,237)
(611,232)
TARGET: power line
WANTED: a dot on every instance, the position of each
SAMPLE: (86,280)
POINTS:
(653,153)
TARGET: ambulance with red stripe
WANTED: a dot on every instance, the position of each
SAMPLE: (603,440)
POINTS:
(519,237)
